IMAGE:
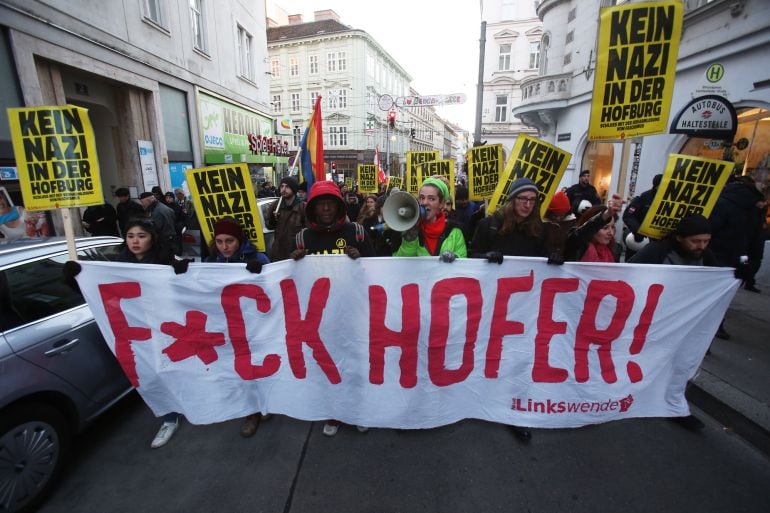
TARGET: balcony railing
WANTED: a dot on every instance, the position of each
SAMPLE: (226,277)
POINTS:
(545,88)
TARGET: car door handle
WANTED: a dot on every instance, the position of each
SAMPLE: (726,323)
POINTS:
(61,346)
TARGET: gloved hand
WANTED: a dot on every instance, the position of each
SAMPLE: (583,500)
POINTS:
(254,266)
(494,257)
(638,237)
(448,257)
(412,233)
(352,252)
(180,266)
(298,254)
(69,271)
(555,258)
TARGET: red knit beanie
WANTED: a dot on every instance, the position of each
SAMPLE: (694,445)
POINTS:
(559,204)
(228,226)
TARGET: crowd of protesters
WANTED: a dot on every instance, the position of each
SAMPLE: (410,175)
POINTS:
(334,220)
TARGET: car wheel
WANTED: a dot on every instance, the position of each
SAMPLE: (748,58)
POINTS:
(33,441)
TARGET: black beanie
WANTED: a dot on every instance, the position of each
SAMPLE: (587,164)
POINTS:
(694,224)
(291,183)
(656,180)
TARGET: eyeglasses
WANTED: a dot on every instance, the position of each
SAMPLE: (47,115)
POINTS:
(521,199)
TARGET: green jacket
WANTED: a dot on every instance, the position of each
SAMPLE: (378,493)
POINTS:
(452,239)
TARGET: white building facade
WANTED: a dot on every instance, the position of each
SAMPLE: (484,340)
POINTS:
(731,36)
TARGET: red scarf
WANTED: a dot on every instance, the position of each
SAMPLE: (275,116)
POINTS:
(598,253)
(432,231)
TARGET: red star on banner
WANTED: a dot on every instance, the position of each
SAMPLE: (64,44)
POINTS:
(192,339)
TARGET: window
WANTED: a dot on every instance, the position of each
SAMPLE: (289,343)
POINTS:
(567,58)
(337,99)
(276,103)
(313,64)
(293,66)
(501,108)
(295,102)
(342,61)
(571,15)
(534,54)
(297,135)
(313,96)
(198,24)
(570,37)
(275,67)
(245,54)
(338,136)
(331,61)
(504,62)
(153,10)
(544,45)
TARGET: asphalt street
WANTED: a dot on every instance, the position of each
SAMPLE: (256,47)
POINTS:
(638,465)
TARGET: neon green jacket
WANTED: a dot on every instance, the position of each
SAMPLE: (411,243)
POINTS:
(451,240)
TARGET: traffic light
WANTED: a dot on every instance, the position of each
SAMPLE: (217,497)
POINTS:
(412,133)
(334,167)
(392,119)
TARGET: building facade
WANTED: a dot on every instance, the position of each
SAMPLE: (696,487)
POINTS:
(169,85)
(729,36)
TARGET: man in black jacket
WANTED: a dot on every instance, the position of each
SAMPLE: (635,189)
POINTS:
(583,190)
(633,216)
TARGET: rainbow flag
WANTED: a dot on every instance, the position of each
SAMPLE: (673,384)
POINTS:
(311,160)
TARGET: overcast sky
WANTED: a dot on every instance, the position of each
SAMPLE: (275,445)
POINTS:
(436,42)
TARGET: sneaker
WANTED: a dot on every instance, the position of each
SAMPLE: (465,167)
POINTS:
(722,333)
(331,427)
(523,434)
(249,426)
(752,288)
(362,429)
(166,431)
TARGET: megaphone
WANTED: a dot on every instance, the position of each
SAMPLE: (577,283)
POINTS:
(400,211)
(633,245)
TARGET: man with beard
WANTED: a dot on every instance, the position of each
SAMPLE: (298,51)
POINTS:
(686,245)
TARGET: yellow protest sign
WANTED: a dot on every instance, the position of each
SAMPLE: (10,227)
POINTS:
(445,168)
(635,68)
(56,157)
(367,178)
(395,182)
(539,161)
(413,159)
(690,185)
(349,182)
(485,163)
(225,191)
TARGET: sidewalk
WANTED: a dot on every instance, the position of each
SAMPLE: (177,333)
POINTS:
(733,385)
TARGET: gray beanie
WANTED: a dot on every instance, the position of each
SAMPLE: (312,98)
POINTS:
(520,185)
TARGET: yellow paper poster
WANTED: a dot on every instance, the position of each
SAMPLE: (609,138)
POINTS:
(225,191)
(485,163)
(367,178)
(635,69)
(445,168)
(56,157)
(395,182)
(539,161)
(413,159)
(690,185)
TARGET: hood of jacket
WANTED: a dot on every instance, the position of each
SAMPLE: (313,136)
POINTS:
(325,189)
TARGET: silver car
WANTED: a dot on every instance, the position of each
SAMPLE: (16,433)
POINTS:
(56,372)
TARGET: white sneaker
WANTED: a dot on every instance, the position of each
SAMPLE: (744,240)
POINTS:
(331,429)
(362,429)
(166,431)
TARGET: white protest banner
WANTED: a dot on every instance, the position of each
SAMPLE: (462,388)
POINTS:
(411,342)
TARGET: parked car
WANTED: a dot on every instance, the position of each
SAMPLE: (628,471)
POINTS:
(57,374)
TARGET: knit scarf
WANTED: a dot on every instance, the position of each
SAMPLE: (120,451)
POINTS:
(432,231)
(598,253)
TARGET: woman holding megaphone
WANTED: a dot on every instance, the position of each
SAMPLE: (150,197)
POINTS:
(433,234)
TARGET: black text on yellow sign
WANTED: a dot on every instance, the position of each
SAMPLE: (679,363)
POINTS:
(690,185)
(56,157)
(225,191)
(395,182)
(414,159)
(636,65)
(484,166)
(367,178)
(445,168)
(539,161)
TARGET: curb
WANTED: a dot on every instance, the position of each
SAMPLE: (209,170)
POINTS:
(736,410)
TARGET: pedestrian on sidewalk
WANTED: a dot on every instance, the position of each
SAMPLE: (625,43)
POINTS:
(230,245)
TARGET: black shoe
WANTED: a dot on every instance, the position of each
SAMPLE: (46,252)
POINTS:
(690,423)
(521,433)
(722,333)
(752,288)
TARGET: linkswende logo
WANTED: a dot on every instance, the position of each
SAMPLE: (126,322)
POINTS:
(549,407)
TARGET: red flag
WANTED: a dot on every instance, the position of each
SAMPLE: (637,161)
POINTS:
(381,178)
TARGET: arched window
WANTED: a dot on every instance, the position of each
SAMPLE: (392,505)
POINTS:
(545,44)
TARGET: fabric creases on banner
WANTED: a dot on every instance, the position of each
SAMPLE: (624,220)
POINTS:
(411,342)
